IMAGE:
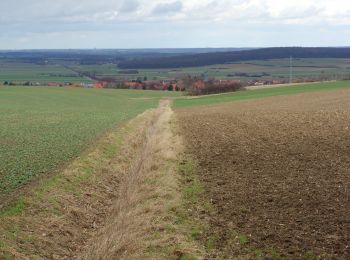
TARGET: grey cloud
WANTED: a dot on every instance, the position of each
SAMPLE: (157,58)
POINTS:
(168,8)
(130,6)
(122,23)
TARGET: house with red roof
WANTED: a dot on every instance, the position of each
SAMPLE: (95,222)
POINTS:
(100,84)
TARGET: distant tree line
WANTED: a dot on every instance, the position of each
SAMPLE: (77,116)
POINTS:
(196,87)
(82,57)
(194,60)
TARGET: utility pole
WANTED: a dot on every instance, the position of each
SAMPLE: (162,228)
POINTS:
(290,70)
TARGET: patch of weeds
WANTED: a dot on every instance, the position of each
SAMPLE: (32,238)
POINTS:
(276,255)
(15,210)
(84,174)
(312,256)
(243,239)
(155,235)
(186,168)
(192,204)
(196,233)
(192,188)
(42,189)
(211,243)
(2,244)
(87,170)
(188,257)
(13,232)
(41,192)
(4,254)
(109,151)
(71,187)
(207,206)
(259,254)
(192,192)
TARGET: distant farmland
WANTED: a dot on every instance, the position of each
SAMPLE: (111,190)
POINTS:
(275,69)
(41,128)
(18,72)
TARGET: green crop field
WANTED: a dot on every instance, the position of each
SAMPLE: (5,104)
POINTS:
(260,93)
(21,72)
(266,70)
(42,127)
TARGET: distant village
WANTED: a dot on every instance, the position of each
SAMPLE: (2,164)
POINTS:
(194,85)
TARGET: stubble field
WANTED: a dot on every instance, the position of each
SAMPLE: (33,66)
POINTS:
(276,172)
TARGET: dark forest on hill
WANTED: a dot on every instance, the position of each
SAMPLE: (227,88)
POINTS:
(203,59)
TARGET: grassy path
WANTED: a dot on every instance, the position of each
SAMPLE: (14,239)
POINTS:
(142,222)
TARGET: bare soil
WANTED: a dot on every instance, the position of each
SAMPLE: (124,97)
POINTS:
(277,172)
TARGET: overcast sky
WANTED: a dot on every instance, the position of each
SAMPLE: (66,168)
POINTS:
(33,24)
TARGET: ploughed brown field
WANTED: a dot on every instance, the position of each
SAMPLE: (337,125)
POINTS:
(277,172)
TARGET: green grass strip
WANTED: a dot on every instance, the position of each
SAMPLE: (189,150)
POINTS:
(260,93)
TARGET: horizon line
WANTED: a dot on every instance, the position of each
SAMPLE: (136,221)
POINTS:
(168,48)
